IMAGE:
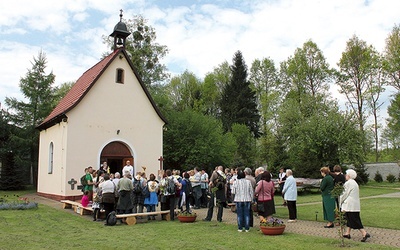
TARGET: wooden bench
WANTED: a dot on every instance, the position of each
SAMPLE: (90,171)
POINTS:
(130,219)
(76,206)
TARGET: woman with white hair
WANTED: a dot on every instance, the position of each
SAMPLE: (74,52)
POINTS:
(290,195)
(350,204)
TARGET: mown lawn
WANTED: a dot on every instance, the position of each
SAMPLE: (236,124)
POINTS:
(49,228)
(377,212)
(372,189)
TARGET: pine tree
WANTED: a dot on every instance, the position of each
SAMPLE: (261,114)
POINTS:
(238,104)
(10,176)
(37,89)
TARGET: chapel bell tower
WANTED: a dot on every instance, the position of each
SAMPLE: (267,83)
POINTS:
(120,33)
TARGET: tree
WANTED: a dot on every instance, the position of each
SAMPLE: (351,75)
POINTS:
(392,131)
(326,137)
(214,84)
(238,102)
(392,57)
(146,53)
(37,89)
(193,139)
(264,78)
(245,154)
(61,91)
(307,72)
(375,89)
(185,91)
(358,68)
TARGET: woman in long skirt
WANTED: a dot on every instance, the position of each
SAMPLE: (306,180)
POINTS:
(350,204)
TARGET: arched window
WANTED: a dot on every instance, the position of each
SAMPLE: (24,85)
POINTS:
(51,158)
(119,78)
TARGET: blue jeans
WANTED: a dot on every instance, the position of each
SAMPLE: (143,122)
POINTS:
(243,215)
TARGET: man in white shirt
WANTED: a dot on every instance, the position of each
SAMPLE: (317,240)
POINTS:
(196,184)
(204,188)
(281,181)
(128,167)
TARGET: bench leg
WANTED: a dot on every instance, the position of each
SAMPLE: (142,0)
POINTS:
(65,206)
(168,217)
(130,221)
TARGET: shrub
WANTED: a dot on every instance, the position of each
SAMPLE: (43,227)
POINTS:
(18,206)
(391,178)
(378,177)
(362,175)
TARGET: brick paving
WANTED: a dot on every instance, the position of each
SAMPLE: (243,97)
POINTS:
(382,236)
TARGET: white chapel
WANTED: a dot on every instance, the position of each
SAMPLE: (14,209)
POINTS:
(108,115)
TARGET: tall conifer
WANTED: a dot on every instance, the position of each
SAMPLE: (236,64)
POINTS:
(238,104)
(38,91)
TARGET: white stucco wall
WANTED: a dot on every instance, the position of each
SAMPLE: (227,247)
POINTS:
(53,183)
(93,123)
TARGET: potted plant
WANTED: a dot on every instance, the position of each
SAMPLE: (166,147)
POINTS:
(185,216)
(272,226)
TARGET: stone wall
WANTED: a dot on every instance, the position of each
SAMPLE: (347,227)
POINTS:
(384,169)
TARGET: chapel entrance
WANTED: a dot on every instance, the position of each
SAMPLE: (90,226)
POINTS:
(116,154)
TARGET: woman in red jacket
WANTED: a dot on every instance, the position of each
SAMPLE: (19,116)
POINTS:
(265,196)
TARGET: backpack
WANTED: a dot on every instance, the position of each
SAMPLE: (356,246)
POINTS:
(177,189)
(111,219)
(171,189)
(137,187)
(145,191)
(189,188)
(220,182)
(84,182)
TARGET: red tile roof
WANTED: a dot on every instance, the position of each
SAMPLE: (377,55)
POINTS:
(82,86)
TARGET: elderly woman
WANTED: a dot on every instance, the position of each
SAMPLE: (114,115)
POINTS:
(290,195)
(350,204)
(265,196)
(108,198)
(328,202)
(243,192)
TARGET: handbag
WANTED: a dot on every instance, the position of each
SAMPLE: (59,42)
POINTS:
(258,206)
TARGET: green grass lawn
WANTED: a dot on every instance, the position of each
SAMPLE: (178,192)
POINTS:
(384,184)
(377,212)
(49,228)
(372,189)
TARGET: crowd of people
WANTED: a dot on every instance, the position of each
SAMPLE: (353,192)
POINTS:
(195,189)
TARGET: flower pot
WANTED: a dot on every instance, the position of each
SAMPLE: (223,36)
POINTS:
(272,230)
(186,219)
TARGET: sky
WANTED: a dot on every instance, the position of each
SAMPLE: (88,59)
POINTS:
(200,35)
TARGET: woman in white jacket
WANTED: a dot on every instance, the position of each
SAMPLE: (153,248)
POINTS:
(350,204)
(290,195)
